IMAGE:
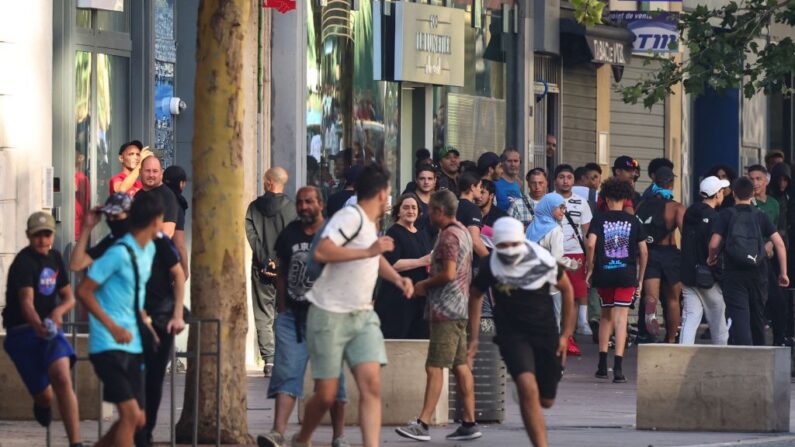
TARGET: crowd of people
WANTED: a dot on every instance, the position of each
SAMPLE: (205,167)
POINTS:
(549,256)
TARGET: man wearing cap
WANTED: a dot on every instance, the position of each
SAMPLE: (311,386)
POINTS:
(661,216)
(449,162)
(627,169)
(698,299)
(38,295)
(520,274)
(575,229)
(509,186)
(131,156)
(176,179)
(654,165)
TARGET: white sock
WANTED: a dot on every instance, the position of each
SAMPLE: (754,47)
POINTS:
(583,315)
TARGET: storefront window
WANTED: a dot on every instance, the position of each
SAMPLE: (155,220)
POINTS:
(351,119)
(82,137)
(472,118)
(165,72)
(115,21)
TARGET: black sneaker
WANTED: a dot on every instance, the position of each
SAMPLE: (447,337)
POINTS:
(43,415)
(601,373)
(618,376)
(465,433)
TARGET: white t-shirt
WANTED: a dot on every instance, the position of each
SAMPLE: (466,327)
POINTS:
(577,207)
(347,286)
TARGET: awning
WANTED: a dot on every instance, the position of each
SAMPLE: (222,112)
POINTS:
(600,44)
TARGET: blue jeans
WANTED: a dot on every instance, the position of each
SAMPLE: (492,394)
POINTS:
(291,358)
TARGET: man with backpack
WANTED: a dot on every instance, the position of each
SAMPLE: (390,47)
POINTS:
(739,234)
(701,293)
(287,382)
(576,222)
(341,323)
(661,216)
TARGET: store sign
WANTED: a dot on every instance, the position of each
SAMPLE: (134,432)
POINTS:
(429,44)
(606,51)
(655,32)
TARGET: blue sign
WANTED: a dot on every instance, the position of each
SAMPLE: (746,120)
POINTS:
(655,32)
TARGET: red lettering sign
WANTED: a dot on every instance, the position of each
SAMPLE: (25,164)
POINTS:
(280,5)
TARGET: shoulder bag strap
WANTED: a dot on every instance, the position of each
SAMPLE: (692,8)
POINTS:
(134,261)
(576,230)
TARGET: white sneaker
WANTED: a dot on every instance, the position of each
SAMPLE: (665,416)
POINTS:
(584,329)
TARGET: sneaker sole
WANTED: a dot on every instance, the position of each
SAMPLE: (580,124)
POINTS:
(265,442)
(465,438)
(619,380)
(412,436)
(599,376)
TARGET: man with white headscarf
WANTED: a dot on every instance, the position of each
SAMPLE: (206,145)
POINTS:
(520,273)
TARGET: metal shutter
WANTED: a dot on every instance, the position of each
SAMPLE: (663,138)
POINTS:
(577,142)
(635,130)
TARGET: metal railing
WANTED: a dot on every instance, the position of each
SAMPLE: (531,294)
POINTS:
(196,355)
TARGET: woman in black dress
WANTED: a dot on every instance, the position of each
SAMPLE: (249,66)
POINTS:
(402,318)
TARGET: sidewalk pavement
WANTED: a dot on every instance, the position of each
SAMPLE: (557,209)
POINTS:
(588,412)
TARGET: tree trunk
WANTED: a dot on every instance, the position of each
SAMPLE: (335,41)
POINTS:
(218,288)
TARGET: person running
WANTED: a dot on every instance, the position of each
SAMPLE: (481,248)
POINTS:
(131,157)
(266,217)
(522,210)
(617,258)
(740,234)
(341,323)
(509,186)
(575,227)
(546,231)
(661,216)
(701,293)
(113,292)
(521,273)
(449,308)
(38,295)
(287,382)
(402,318)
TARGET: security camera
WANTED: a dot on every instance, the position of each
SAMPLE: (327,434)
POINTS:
(176,105)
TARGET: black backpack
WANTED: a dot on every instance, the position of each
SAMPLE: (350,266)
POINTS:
(744,244)
(651,214)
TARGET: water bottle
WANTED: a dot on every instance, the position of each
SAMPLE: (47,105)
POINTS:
(52,329)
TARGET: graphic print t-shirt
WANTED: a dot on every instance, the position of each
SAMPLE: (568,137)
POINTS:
(292,249)
(580,212)
(45,274)
(615,260)
(451,301)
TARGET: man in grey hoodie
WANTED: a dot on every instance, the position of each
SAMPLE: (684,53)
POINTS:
(265,219)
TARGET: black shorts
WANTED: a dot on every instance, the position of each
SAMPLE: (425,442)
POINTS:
(664,264)
(122,376)
(523,354)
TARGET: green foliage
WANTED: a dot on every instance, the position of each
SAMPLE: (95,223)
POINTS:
(588,12)
(728,50)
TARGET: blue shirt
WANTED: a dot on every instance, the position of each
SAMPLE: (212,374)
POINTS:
(507,192)
(114,273)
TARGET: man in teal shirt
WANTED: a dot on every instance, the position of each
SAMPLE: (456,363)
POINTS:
(114,344)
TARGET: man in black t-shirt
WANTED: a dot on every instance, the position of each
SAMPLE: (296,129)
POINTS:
(152,179)
(488,210)
(520,273)
(38,295)
(469,213)
(287,381)
(745,286)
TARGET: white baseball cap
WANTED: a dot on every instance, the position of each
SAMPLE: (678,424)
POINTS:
(711,185)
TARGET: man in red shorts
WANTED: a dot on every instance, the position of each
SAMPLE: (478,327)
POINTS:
(617,257)
(575,227)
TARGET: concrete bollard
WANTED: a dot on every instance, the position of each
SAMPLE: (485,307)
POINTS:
(713,388)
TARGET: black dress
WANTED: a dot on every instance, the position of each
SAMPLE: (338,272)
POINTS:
(402,318)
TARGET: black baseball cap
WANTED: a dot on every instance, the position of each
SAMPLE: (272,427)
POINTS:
(626,163)
(487,160)
(135,143)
